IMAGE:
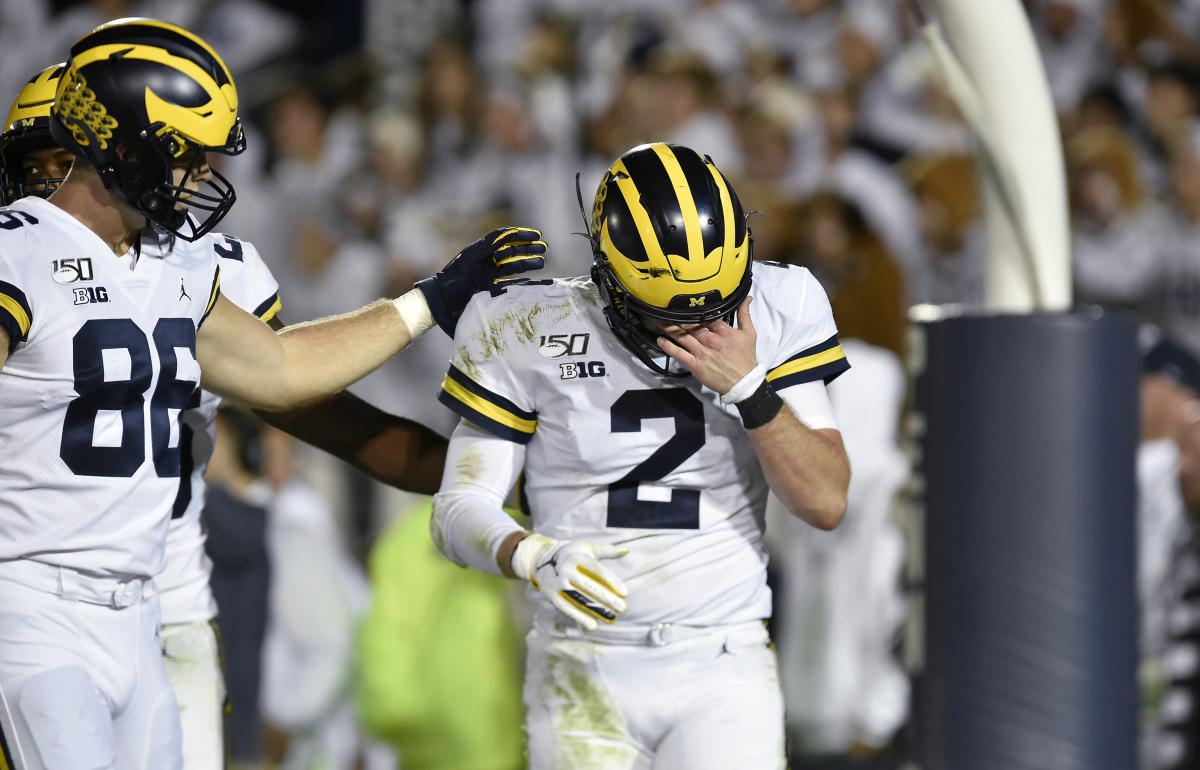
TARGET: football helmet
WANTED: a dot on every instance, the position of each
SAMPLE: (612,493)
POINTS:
(670,243)
(140,98)
(26,130)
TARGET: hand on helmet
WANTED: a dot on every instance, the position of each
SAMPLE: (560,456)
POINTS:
(570,575)
(502,252)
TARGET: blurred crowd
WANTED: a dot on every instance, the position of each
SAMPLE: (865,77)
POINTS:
(384,135)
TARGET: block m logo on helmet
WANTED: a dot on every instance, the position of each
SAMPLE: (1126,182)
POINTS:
(142,101)
(695,301)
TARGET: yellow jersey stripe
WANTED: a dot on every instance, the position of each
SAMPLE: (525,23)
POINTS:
(687,203)
(808,362)
(272,311)
(216,292)
(17,312)
(487,408)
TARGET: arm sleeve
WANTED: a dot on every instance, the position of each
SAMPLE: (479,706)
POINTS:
(469,522)
(480,385)
(808,349)
(810,403)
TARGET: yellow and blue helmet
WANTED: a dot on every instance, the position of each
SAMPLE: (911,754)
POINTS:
(670,243)
(139,97)
(26,130)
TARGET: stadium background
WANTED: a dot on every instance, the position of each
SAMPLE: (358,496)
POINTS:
(386,134)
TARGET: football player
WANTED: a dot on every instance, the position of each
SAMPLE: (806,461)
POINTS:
(651,407)
(77,553)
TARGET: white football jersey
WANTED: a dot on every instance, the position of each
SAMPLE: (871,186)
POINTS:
(618,454)
(183,585)
(102,363)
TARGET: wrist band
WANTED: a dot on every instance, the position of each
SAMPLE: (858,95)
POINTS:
(414,312)
(760,408)
(745,387)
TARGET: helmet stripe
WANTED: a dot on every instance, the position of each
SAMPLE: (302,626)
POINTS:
(645,229)
(685,199)
(704,192)
(653,194)
(729,226)
(177,40)
(627,243)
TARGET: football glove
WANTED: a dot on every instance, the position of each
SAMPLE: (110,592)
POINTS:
(502,252)
(570,575)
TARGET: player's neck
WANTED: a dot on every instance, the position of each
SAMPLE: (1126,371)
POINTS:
(83,196)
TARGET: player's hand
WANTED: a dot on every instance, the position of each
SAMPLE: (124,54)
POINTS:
(502,252)
(570,575)
(716,354)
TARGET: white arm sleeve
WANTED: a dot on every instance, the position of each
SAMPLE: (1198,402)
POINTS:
(809,401)
(469,521)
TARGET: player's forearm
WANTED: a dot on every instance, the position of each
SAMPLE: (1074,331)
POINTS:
(394,450)
(325,356)
(806,469)
(4,341)
(469,524)
(472,530)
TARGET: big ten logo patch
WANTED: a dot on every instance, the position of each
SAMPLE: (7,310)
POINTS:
(70,270)
(580,370)
(91,294)
(559,345)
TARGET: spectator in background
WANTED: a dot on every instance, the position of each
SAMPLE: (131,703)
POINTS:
(1169,554)
(837,163)
(1175,301)
(953,270)
(839,602)
(1116,230)
(688,108)
(439,657)
(448,103)
(1069,34)
(235,516)
(317,596)
(865,284)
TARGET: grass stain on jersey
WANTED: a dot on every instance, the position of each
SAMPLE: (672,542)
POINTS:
(518,326)
(584,713)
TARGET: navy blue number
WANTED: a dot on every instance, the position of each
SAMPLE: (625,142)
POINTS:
(171,393)
(9,220)
(126,396)
(95,393)
(682,511)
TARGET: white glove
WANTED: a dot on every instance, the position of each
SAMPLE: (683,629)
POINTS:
(571,576)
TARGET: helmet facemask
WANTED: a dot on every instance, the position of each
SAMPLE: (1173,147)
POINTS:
(174,208)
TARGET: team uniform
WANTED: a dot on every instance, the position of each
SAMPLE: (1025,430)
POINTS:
(614,453)
(191,647)
(101,364)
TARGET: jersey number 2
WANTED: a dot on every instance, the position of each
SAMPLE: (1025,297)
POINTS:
(682,510)
(127,396)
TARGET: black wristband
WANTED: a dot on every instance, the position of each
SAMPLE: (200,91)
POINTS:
(760,407)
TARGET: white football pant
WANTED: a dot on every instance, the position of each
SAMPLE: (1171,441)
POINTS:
(82,683)
(665,697)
